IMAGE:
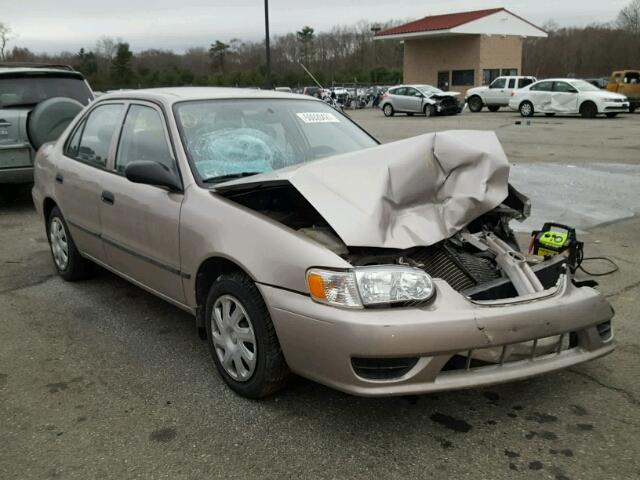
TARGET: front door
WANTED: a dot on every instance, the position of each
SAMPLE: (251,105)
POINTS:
(140,223)
(496,92)
(443,80)
(81,170)
(564,98)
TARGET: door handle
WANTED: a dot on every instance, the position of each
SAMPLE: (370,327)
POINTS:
(107,197)
(59,178)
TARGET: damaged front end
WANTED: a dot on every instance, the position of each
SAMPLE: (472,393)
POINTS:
(436,205)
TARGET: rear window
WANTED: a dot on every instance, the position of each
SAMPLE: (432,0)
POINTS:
(523,82)
(25,90)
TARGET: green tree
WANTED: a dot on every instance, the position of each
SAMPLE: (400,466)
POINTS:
(122,74)
(305,37)
(218,52)
(87,62)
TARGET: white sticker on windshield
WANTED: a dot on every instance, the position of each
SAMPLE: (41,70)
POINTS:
(318,117)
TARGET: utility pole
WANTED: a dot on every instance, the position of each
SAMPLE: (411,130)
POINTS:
(375,28)
(266,42)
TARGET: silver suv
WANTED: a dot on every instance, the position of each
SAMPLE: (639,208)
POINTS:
(37,102)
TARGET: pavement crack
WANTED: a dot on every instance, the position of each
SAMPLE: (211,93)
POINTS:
(624,289)
(631,398)
(27,285)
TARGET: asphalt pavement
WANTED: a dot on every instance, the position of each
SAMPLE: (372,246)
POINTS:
(99,379)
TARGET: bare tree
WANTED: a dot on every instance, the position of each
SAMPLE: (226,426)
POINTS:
(629,17)
(5,36)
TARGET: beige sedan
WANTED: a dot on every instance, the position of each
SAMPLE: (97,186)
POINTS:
(301,245)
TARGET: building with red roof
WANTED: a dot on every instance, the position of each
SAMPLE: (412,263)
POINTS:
(457,51)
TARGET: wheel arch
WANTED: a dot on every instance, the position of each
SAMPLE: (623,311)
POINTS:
(48,205)
(587,101)
(209,270)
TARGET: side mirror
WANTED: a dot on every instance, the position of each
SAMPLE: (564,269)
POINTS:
(152,173)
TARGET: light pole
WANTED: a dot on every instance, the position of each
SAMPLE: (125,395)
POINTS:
(266,42)
(375,28)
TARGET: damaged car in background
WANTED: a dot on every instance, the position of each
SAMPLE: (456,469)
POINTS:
(424,99)
(303,246)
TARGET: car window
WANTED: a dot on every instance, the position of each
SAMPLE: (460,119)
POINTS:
(499,83)
(399,91)
(523,82)
(143,138)
(228,137)
(97,134)
(542,87)
(512,83)
(412,92)
(31,89)
(73,144)
(562,87)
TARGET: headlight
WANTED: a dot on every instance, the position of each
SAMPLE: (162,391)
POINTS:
(376,285)
(393,284)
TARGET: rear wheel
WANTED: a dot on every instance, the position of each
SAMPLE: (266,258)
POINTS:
(493,108)
(588,110)
(242,338)
(475,104)
(611,115)
(388,110)
(66,257)
(526,109)
(429,110)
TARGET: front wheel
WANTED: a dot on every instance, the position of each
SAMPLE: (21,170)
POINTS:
(66,257)
(475,104)
(588,110)
(388,110)
(526,109)
(242,338)
(429,110)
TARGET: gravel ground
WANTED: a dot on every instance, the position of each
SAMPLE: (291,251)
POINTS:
(101,380)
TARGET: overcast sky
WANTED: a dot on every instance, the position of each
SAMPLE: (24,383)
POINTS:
(55,25)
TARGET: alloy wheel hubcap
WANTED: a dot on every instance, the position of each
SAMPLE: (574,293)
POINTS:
(233,338)
(59,243)
(526,109)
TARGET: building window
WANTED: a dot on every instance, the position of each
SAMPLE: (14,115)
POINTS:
(510,71)
(489,75)
(463,77)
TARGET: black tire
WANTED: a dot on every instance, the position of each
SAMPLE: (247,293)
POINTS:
(588,110)
(429,110)
(475,104)
(526,109)
(493,108)
(550,114)
(632,109)
(271,372)
(388,110)
(77,267)
(611,115)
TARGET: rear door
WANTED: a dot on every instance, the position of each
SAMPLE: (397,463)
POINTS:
(140,223)
(564,98)
(81,172)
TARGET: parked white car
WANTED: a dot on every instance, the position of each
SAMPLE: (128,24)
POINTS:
(567,96)
(497,94)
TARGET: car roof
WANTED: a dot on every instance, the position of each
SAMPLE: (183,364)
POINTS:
(171,95)
(26,70)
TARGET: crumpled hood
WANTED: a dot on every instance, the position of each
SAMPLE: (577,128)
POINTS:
(414,192)
(445,94)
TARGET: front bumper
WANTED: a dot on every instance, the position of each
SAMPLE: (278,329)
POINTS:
(319,341)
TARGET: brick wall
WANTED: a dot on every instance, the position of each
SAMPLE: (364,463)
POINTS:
(424,58)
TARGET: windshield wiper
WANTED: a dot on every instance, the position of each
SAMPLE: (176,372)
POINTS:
(229,176)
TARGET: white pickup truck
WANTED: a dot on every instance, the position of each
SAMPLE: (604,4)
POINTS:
(497,94)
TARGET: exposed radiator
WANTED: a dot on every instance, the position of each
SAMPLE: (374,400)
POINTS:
(458,268)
